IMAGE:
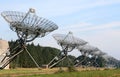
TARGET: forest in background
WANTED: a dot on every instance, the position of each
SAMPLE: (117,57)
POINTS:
(43,55)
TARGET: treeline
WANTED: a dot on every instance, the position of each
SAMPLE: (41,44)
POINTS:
(42,55)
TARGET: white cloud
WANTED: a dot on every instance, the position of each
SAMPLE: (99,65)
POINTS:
(68,7)
(103,26)
(77,28)
(57,8)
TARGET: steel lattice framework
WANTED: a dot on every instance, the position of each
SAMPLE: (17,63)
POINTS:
(28,26)
(85,51)
(97,53)
(68,40)
(68,43)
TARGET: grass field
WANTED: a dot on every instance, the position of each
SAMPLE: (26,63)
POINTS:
(33,72)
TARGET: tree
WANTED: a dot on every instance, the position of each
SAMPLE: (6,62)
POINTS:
(42,55)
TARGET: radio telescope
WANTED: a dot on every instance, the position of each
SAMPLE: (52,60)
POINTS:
(110,61)
(28,26)
(85,51)
(68,43)
(97,54)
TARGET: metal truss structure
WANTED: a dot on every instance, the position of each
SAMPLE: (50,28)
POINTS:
(85,51)
(68,43)
(28,26)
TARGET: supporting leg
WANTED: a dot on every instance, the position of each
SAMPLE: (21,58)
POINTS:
(56,62)
(80,62)
(32,58)
(61,56)
(8,60)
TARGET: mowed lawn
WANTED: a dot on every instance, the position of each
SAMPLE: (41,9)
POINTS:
(32,72)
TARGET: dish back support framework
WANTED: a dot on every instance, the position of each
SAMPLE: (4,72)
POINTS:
(28,26)
(68,43)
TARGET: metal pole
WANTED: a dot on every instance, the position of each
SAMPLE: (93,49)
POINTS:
(32,57)
(7,61)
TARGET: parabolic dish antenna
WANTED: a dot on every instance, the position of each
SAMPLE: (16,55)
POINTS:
(87,48)
(28,26)
(106,57)
(85,51)
(96,55)
(68,43)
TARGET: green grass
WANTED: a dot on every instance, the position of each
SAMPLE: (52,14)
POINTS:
(97,73)
(51,73)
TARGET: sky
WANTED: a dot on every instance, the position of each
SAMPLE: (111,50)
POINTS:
(95,21)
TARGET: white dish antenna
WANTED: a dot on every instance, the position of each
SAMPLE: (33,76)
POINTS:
(68,40)
(68,43)
(87,49)
(28,25)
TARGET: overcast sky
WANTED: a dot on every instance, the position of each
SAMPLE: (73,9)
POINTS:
(95,21)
